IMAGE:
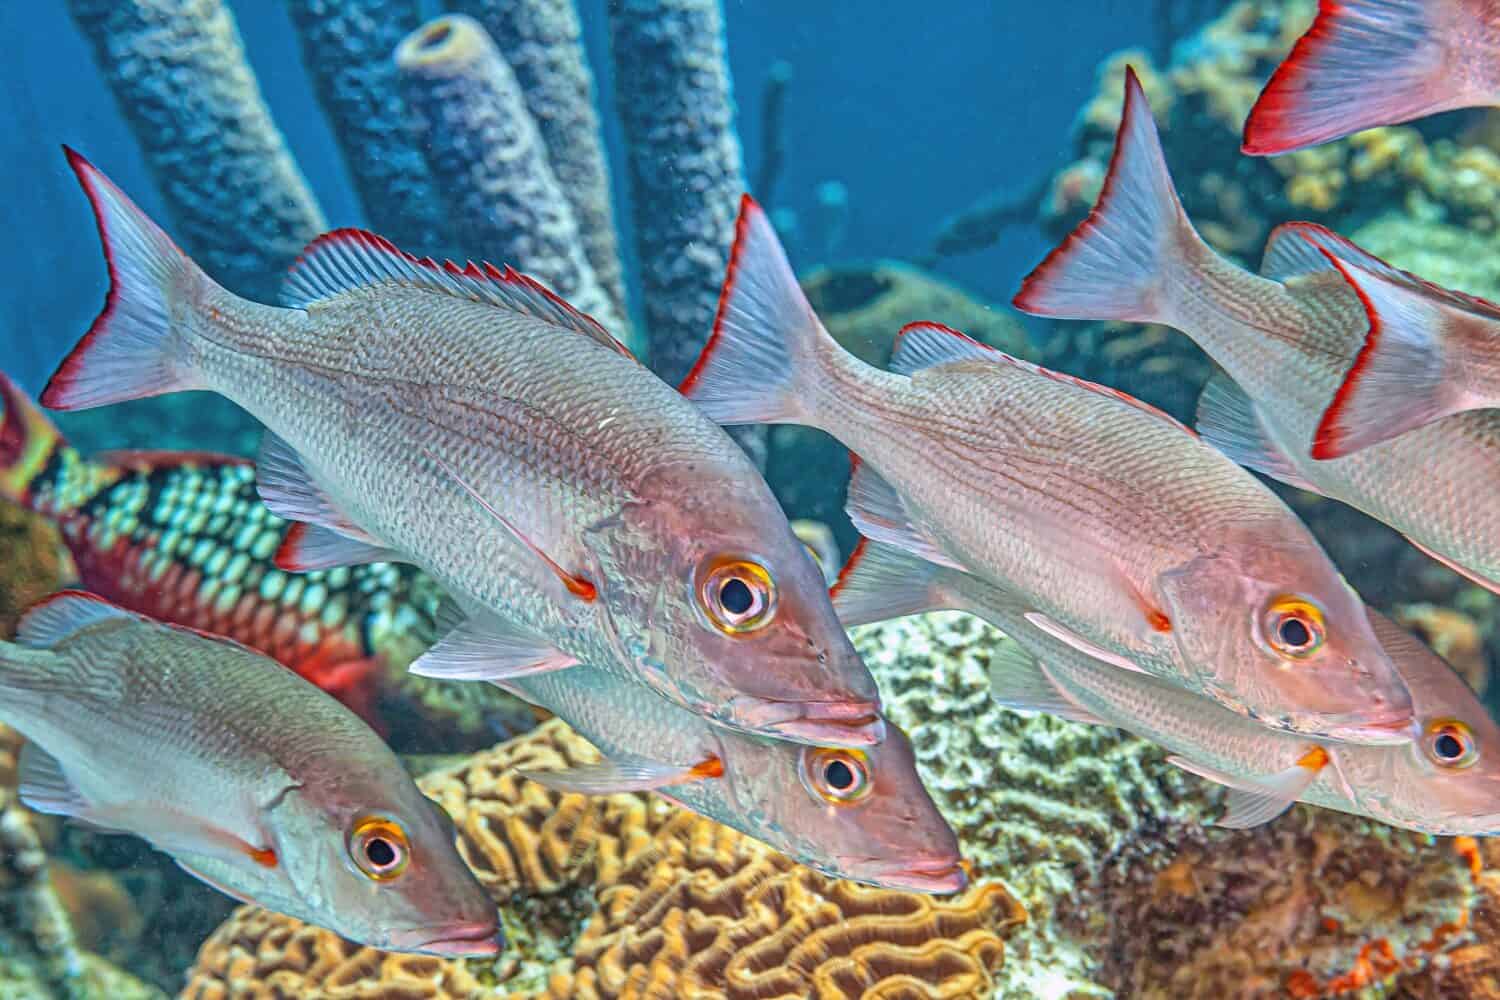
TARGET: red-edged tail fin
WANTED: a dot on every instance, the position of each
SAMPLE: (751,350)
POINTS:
(126,354)
(1365,63)
(27,442)
(1116,264)
(759,365)
(1412,368)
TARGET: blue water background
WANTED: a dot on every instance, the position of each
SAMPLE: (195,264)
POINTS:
(916,109)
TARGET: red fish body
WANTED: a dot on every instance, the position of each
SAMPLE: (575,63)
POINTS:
(184,538)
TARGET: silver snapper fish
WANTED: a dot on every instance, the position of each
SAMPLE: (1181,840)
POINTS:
(250,777)
(469,421)
(1445,781)
(1287,339)
(849,813)
(1122,532)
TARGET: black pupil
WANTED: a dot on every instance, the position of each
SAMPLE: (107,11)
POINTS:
(380,852)
(735,596)
(1448,746)
(1294,633)
(840,776)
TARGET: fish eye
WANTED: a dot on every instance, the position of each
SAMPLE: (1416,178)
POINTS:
(1450,743)
(736,594)
(1294,627)
(835,775)
(379,848)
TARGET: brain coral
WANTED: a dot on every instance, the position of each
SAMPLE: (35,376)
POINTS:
(627,896)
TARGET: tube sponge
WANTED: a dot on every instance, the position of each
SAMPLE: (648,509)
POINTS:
(488,161)
(540,39)
(347,46)
(686,175)
(178,72)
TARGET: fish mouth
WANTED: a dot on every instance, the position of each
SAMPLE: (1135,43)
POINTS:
(822,723)
(1388,729)
(939,875)
(469,939)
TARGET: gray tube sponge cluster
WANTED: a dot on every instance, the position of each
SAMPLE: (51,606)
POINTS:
(347,47)
(488,160)
(178,72)
(541,41)
(686,175)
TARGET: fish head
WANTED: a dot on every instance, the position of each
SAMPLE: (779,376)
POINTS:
(1270,630)
(739,621)
(1447,780)
(377,862)
(853,813)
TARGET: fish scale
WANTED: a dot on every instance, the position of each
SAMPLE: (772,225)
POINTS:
(469,421)
(1287,338)
(183,537)
(1119,530)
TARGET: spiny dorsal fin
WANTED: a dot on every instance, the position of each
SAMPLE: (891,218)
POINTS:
(927,345)
(63,615)
(345,259)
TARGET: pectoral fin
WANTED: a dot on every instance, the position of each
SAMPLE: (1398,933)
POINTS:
(579,586)
(490,648)
(1253,801)
(1078,642)
(625,774)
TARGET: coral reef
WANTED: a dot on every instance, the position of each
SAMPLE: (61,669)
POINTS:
(626,896)
(346,47)
(863,306)
(178,71)
(540,40)
(489,162)
(686,175)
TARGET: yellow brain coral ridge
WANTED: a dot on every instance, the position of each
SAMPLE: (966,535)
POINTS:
(627,896)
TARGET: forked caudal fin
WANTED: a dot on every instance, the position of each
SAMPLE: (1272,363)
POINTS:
(1410,370)
(1117,263)
(1365,63)
(760,362)
(126,354)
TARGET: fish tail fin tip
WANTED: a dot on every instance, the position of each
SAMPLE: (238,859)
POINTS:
(28,439)
(1112,266)
(1362,63)
(126,352)
(756,366)
(1403,376)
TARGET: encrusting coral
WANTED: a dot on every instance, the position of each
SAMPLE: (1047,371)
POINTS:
(628,896)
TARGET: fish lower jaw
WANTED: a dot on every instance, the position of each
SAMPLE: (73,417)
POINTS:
(465,940)
(833,723)
(937,877)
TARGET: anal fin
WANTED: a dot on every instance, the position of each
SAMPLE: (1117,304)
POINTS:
(1227,419)
(625,774)
(878,511)
(1253,801)
(314,546)
(1018,680)
(44,785)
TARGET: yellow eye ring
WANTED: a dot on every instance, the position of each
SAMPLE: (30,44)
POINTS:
(836,775)
(1294,627)
(379,848)
(736,594)
(1451,743)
